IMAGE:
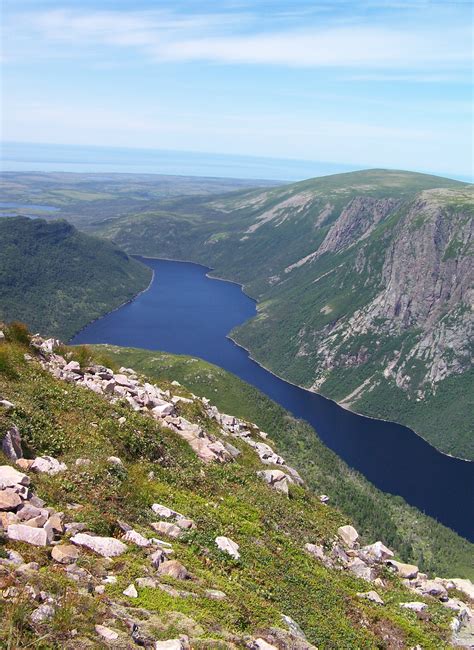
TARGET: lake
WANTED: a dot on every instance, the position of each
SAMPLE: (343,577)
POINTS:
(185,312)
(29,207)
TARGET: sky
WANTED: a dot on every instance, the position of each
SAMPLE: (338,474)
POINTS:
(372,83)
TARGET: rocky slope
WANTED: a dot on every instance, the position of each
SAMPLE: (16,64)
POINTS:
(139,514)
(364,282)
(57,279)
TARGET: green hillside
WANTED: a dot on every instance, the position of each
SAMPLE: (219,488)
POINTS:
(417,537)
(56,279)
(118,460)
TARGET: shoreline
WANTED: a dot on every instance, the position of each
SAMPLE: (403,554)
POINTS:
(111,311)
(287,381)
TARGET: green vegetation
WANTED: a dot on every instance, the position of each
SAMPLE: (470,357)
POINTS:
(274,576)
(417,537)
(56,279)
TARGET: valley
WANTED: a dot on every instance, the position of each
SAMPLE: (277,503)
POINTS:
(363,282)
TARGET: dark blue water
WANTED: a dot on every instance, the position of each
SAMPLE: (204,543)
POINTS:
(185,312)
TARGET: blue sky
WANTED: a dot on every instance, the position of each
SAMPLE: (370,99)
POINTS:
(370,83)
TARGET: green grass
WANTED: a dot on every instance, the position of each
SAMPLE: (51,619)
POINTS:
(274,576)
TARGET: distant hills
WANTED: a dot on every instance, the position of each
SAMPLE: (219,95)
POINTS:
(57,279)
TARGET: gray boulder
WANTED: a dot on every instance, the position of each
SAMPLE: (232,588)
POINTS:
(27,534)
(105,546)
(11,444)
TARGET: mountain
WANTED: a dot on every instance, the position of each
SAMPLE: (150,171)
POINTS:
(57,279)
(364,284)
(134,512)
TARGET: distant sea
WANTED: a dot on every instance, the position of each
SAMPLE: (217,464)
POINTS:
(19,156)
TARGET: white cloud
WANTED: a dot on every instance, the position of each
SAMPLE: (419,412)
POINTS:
(232,38)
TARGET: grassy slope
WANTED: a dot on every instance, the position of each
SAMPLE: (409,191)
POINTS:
(418,538)
(56,279)
(274,575)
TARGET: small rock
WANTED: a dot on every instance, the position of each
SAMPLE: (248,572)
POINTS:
(361,570)
(150,583)
(171,644)
(348,534)
(174,569)
(415,606)
(157,558)
(42,613)
(11,444)
(130,591)
(261,644)
(277,479)
(24,463)
(106,633)
(9,499)
(6,404)
(378,551)
(47,465)
(136,538)
(315,550)
(215,594)
(163,511)
(167,528)
(15,557)
(114,460)
(185,524)
(65,553)
(228,546)
(404,570)
(82,462)
(372,596)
